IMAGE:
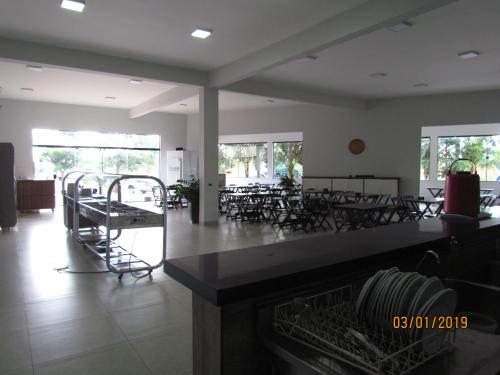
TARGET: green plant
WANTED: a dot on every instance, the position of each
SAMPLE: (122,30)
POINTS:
(286,182)
(189,189)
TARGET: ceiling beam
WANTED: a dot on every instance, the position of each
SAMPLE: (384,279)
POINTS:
(351,24)
(28,52)
(163,100)
(278,91)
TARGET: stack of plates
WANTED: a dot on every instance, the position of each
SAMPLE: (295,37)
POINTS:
(391,293)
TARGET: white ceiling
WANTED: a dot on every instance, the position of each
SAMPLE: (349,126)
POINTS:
(425,53)
(230,101)
(83,88)
(159,30)
(74,87)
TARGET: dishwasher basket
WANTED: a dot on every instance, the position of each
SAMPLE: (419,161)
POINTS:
(327,323)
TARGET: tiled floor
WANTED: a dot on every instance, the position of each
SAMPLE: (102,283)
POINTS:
(61,323)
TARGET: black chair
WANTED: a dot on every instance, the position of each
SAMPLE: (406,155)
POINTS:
(401,209)
(157,196)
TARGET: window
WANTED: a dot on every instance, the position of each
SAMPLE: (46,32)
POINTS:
(243,159)
(483,150)
(56,152)
(425,158)
(287,158)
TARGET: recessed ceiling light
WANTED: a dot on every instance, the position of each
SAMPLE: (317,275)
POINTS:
(378,75)
(420,85)
(75,5)
(201,33)
(468,55)
(35,68)
(400,26)
(110,98)
(309,58)
(270,100)
(27,89)
(135,82)
(183,105)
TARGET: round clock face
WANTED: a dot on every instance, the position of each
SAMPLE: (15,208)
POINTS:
(356,146)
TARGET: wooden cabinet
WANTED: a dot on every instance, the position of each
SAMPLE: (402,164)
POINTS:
(35,194)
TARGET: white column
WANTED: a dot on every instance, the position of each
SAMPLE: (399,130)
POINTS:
(209,138)
(270,160)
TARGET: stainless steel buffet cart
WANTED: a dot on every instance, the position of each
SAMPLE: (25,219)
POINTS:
(97,221)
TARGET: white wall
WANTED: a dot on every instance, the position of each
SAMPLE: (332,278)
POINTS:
(433,132)
(18,118)
(391,131)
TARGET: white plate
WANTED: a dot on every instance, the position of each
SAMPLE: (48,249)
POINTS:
(408,293)
(364,294)
(365,290)
(396,296)
(443,303)
(367,302)
(428,289)
(376,295)
(391,289)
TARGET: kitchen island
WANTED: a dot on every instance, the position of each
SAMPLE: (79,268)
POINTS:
(232,288)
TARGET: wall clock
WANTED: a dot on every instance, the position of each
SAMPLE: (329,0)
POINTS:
(356,146)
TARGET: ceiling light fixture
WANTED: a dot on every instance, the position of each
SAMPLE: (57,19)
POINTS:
(135,81)
(468,55)
(378,75)
(34,68)
(110,98)
(308,58)
(420,85)
(183,105)
(74,5)
(27,89)
(201,33)
(400,26)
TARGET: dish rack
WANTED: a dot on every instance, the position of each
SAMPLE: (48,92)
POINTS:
(327,323)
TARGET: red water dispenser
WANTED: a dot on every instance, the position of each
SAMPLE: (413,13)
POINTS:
(461,191)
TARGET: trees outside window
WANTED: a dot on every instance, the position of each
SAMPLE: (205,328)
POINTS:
(61,160)
(484,151)
(287,159)
(58,152)
(425,158)
(243,159)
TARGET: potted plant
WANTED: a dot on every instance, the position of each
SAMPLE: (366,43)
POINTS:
(287,182)
(190,189)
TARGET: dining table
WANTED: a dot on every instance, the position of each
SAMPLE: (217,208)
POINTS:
(436,191)
(361,215)
(425,206)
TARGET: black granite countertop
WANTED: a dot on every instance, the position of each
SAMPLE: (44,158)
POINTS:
(231,276)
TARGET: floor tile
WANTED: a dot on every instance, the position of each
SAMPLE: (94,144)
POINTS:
(21,371)
(63,309)
(14,350)
(74,317)
(144,293)
(13,318)
(154,319)
(170,353)
(117,359)
(70,338)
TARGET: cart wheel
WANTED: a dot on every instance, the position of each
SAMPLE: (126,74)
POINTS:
(120,277)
